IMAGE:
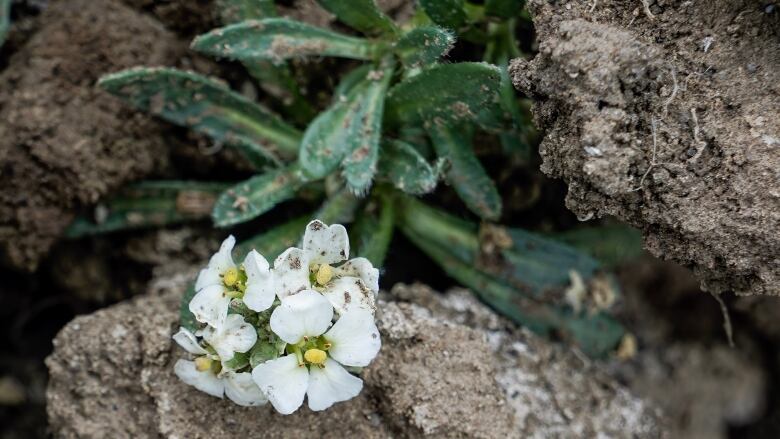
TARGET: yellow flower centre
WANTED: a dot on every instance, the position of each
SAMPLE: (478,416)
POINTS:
(230,277)
(324,274)
(203,364)
(315,356)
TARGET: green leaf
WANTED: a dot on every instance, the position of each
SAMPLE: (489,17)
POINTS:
(359,165)
(523,277)
(504,8)
(612,245)
(406,169)
(274,79)
(448,94)
(349,81)
(187,318)
(339,208)
(447,13)
(262,351)
(348,133)
(207,106)
(277,39)
(239,361)
(423,46)
(5,19)
(373,230)
(149,204)
(273,242)
(596,335)
(528,262)
(466,174)
(362,15)
(233,11)
(256,196)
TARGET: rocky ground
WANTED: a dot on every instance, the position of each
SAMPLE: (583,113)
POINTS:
(667,116)
(446,363)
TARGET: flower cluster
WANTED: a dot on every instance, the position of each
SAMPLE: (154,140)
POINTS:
(278,334)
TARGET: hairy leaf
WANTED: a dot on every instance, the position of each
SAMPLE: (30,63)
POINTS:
(256,196)
(422,46)
(149,204)
(447,13)
(277,39)
(348,133)
(275,79)
(360,162)
(207,106)
(407,169)
(465,173)
(349,81)
(362,15)
(448,93)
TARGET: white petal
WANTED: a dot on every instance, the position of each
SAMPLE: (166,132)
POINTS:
(348,293)
(283,381)
(187,340)
(361,268)
(331,384)
(325,244)
(260,288)
(354,339)
(204,381)
(235,335)
(207,277)
(241,389)
(210,305)
(291,270)
(307,313)
(223,259)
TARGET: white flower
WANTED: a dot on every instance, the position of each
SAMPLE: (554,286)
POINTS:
(235,335)
(260,286)
(210,304)
(351,285)
(206,374)
(313,365)
(222,281)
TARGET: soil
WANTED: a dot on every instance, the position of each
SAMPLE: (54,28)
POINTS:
(106,383)
(63,142)
(111,376)
(669,119)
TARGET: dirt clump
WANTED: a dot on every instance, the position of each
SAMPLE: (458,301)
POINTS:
(667,117)
(63,142)
(111,375)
